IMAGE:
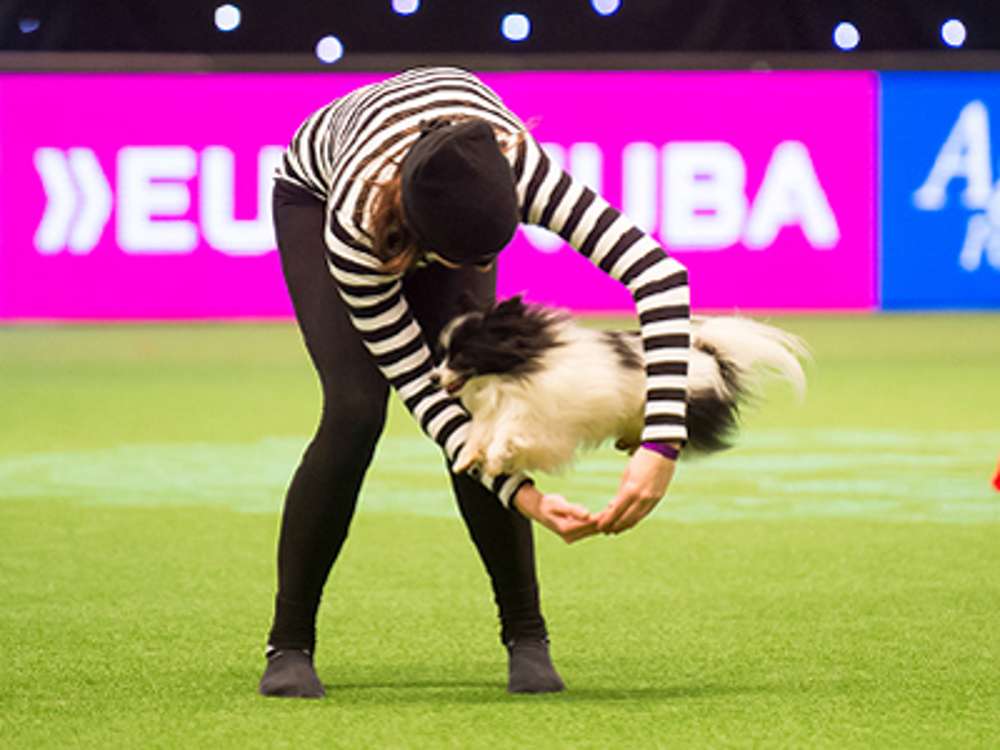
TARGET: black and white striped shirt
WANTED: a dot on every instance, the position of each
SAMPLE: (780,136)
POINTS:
(359,139)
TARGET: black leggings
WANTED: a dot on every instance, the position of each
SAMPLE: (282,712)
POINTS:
(323,493)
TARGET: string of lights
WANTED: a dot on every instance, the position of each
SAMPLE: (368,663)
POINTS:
(332,30)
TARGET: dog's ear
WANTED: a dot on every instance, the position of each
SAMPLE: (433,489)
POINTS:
(512,305)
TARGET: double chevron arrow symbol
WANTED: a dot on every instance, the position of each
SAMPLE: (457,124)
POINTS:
(79,200)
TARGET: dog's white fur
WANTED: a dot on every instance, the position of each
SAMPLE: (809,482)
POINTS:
(582,395)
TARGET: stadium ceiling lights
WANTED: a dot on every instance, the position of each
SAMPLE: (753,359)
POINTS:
(953,33)
(606,7)
(405,7)
(846,36)
(329,49)
(227,18)
(515,27)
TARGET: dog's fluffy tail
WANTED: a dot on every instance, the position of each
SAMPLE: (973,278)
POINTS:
(731,358)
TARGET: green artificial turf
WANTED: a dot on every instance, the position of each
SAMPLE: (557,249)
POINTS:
(831,582)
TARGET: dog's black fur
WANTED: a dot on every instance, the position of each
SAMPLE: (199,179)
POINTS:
(513,343)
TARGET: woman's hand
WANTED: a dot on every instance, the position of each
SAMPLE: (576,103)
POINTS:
(644,484)
(554,512)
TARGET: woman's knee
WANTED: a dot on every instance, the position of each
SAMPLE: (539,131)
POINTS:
(355,423)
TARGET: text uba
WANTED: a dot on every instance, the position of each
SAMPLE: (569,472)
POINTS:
(695,195)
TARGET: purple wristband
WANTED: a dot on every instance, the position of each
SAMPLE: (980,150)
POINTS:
(664,449)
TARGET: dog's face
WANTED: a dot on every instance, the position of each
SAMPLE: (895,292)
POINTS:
(507,339)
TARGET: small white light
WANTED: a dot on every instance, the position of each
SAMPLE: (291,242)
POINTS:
(846,36)
(606,7)
(227,17)
(329,49)
(953,32)
(516,27)
(406,7)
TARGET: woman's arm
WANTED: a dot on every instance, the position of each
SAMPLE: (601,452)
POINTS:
(643,485)
(552,198)
(382,316)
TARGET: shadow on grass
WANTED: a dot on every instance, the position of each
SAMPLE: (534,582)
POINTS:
(673,692)
(482,692)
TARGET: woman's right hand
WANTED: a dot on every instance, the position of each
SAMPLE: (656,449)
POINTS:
(570,521)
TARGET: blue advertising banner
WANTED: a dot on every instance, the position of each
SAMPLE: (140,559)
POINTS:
(940,194)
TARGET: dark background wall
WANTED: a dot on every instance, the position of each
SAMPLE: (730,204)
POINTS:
(472,26)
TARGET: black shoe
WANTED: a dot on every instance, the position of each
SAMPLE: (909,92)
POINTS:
(530,667)
(290,674)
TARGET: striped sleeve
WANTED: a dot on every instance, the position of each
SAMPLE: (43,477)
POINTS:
(397,344)
(552,198)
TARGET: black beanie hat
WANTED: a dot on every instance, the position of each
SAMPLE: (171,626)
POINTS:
(458,191)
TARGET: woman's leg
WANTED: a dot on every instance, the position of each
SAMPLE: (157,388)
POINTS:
(321,498)
(503,538)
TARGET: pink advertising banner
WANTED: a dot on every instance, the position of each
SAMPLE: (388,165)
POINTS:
(146,196)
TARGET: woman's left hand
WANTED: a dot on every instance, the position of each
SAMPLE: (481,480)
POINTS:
(643,485)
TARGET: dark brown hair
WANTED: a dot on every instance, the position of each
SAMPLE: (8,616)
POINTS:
(393,242)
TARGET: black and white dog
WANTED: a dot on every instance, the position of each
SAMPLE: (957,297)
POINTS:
(540,386)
